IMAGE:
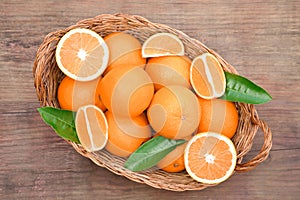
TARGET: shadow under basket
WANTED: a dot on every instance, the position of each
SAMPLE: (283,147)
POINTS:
(47,77)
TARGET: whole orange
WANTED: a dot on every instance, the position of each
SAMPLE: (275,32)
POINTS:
(174,161)
(219,116)
(174,112)
(175,166)
(126,91)
(120,141)
(124,50)
(73,94)
(169,70)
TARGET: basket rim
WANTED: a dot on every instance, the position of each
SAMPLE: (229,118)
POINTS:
(44,81)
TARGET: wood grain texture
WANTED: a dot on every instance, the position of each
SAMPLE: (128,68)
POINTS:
(260,38)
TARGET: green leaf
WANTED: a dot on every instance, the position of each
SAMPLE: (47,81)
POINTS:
(150,153)
(62,121)
(240,89)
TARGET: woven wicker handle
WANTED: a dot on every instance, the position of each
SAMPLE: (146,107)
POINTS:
(264,151)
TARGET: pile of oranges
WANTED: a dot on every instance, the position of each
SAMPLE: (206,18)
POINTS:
(125,92)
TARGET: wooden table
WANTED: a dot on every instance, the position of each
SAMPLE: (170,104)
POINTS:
(260,38)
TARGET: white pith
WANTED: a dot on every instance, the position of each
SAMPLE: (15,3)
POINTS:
(101,43)
(181,53)
(220,137)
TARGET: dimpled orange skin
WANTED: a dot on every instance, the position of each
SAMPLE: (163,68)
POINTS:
(174,161)
(125,50)
(169,70)
(139,100)
(218,116)
(73,94)
(174,112)
(176,166)
(120,143)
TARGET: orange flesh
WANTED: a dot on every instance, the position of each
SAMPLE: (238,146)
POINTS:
(199,78)
(216,73)
(214,147)
(72,62)
(161,45)
(81,127)
(97,126)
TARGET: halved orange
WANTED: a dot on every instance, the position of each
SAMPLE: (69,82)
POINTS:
(91,127)
(82,54)
(207,76)
(210,158)
(162,44)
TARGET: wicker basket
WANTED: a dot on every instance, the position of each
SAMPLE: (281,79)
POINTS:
(47,77)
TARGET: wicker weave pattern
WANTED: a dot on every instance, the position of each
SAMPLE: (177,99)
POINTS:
(47,77)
